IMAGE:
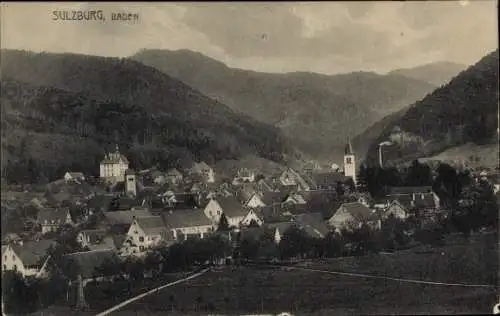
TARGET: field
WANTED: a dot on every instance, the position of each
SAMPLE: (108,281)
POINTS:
(483,155)
(244,290)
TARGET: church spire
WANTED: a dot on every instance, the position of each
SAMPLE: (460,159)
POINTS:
(348,148)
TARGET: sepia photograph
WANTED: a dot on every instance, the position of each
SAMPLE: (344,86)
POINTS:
(250,158)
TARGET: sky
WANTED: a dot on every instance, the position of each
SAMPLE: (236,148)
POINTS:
(323,37)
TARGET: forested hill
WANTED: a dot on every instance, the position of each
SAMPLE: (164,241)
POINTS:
(60,111)
(319,112)
(464,110)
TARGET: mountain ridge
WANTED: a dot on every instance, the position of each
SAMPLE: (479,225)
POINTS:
(317,111)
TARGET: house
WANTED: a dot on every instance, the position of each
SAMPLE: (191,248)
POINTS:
(295,198)
(272,198)
(244,175)
(95,239)
(292,178)
(248,196)
(74,176)
(119,221)
(188,223)
(312,224)
(236,214)
(354,214)
(203,170)
(113,167)
(396,209)
(174,176)
(30,258)
(146,232)
(328,180)
(51,220)
(254,201)
(264,185)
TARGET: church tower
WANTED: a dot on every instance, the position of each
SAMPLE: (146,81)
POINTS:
(130,183)
(349,162)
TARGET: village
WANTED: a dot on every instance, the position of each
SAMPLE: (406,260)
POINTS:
(129,214)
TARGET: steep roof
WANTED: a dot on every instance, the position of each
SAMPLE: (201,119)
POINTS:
(270,198)
(107,242)
(359,211)
(88,261)
(151,225)
(231,207)
(115,157)
(94,235)
(76,174)
(124,217)
(328,178)
(186,218)
(313,224)
(33,252)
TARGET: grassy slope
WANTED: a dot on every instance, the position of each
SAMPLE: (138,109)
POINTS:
(248,290)
(487,155)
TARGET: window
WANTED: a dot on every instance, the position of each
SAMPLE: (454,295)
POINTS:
(218,212)
(15,267)
(135,232)
(348,160)
(141,248)
(13,258)
(141,239)
(5,267)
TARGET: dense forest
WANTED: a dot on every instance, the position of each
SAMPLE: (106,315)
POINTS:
(464,110)
(47,131)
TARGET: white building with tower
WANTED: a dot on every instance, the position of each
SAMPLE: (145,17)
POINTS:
(349,162)
(113,167)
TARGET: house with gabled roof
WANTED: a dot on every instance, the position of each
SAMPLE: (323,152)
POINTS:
(52,219)
(203,170)
(29,258)
(352,215)
(236,214)
(119,221)
(145,233)
(396,209)
(188,223)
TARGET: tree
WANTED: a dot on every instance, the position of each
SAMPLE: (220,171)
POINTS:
(362,179)
(223,223)
(418,175)
(294,243)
